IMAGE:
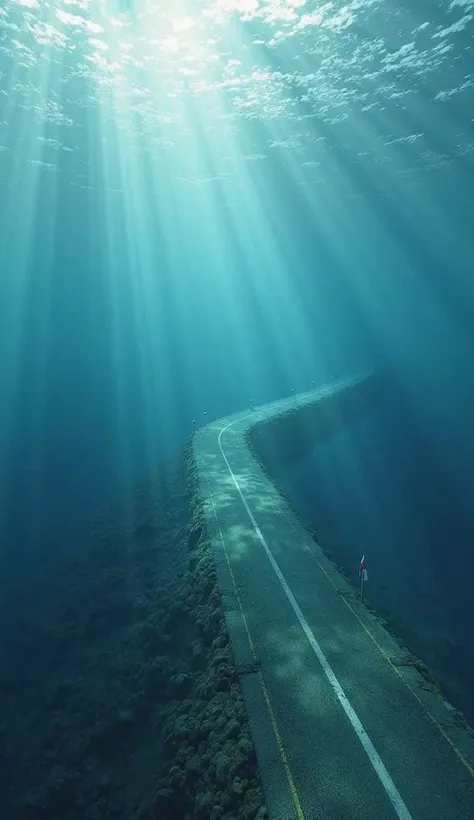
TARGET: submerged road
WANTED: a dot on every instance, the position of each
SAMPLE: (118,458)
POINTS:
(343,726)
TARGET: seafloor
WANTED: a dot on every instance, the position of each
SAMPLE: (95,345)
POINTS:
(118,694)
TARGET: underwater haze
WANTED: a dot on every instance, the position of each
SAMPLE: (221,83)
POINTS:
(208,204)
(203,203)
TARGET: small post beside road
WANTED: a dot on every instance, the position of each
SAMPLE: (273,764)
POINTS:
(363,576)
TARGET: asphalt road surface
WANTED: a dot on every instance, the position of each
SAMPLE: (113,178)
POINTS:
(344,727)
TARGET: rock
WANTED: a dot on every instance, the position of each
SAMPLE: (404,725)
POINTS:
(198,650)
(222,769)
(247,749)
(237,787)
(192,771)
(204,805)
(222,684)
(176,778)
(233,729)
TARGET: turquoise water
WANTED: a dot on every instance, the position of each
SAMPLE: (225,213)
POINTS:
(380,489)
(203,204)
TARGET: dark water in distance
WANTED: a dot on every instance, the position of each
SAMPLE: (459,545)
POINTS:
(203,203)
(378,488)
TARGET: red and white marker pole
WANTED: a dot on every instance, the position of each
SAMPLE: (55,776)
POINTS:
(363,576)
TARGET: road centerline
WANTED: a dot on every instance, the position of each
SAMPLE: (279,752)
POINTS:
(374,758)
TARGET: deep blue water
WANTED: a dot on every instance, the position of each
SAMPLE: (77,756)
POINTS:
(204,204)
(380,488)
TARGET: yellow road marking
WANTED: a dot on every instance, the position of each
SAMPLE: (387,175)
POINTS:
(281,749)
(382,651)
(291,783)
(444,734)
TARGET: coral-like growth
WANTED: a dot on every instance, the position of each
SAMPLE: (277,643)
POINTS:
(129,707)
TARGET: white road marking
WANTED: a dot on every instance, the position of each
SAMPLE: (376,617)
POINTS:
(389,786)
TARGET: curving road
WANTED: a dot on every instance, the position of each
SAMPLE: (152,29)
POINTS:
(344,728)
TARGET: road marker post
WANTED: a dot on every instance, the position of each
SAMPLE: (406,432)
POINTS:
(363,576)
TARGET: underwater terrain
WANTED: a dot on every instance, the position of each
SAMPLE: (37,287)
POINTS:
(203,205)
(118,694)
